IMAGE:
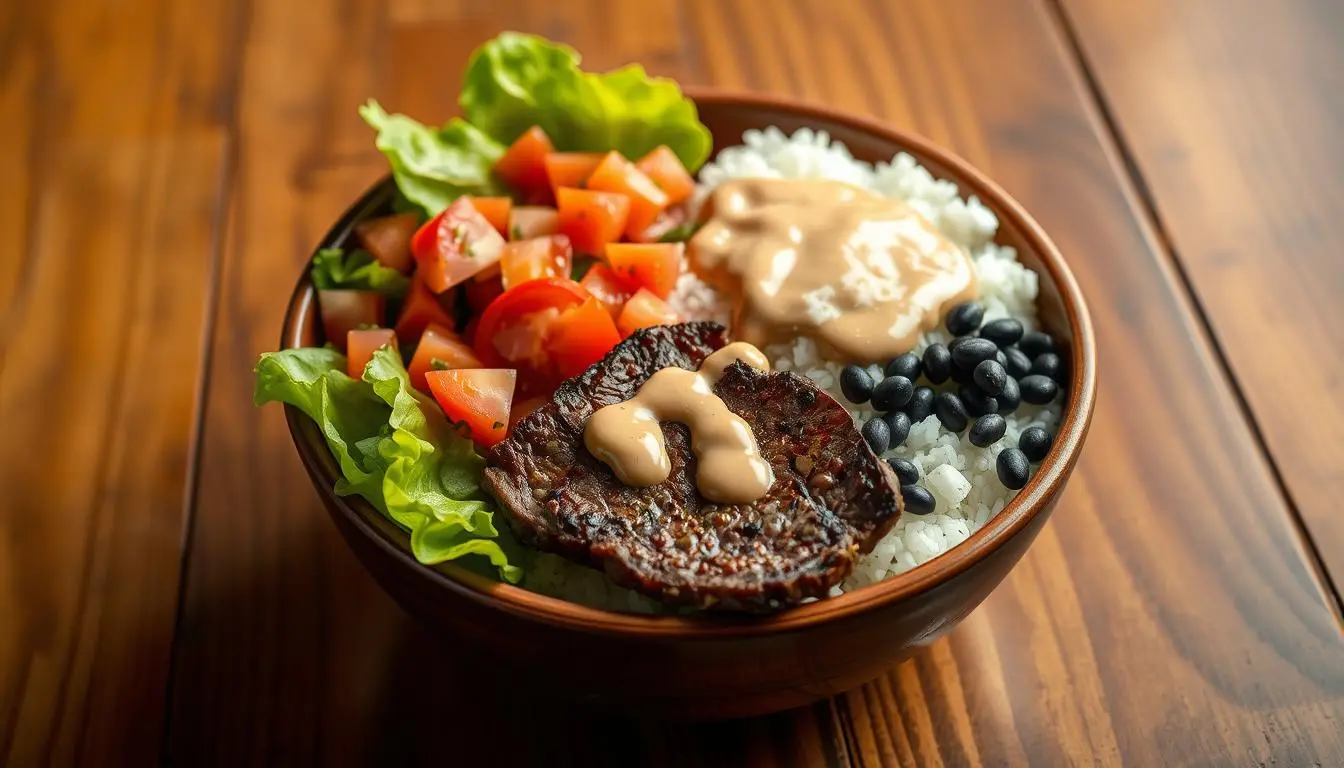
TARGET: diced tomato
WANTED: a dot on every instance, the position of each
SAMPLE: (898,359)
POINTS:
(535,259)
(592,219)
(665,168)
(581,336)
(483,289)
(512,330)
(523,165)
(529,221)
(455,245)
(420,308)
(643,310)
(361,343)
(667,221)
(655,266)
(388,239)
(478,398)
(570,169)
(616,174)
(496,210)
(439,349)
(523,408)
(603,284)
(344,311)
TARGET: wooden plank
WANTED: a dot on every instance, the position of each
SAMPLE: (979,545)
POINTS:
(107,224)
(1232,113)
(1133,632)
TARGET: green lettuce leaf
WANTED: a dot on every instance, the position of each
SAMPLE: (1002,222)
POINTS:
(346,410)
(432,482)
(394,448)
(517,81)
(356,270)
(435,166)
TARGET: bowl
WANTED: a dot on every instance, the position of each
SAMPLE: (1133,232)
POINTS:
(724,666)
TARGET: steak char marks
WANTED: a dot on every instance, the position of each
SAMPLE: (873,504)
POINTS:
(832,497)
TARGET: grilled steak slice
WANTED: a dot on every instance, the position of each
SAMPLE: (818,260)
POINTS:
(831,499)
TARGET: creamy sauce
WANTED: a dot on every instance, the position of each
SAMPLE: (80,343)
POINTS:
(629,439)
(863,275)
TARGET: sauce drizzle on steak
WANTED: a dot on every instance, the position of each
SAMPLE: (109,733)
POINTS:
(832,497)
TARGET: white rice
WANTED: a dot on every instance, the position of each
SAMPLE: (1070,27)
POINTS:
(961,477)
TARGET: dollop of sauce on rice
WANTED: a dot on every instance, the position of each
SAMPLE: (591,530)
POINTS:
(863,275)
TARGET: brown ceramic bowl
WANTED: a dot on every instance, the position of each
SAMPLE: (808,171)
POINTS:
(722,666)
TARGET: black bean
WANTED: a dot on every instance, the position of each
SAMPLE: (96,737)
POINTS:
(1012,468)
(1037,389)
(937,363)
(1034,442)
(920,405)
(898,423)
(965,318)
(951,411)
(958,341)
(1010,398)
(1001,358)
(972,352)
(1035,343)
(906,471)
(977,402)
(1016,362)
(892,392)
(987,430)
(1005,331)
(990,377)
(918,500)
(856,383)
(877,433)
(1048,364)
(907,365)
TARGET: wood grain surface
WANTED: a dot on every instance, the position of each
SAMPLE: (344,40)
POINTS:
(1170,614)
(114,167)
(1232,112)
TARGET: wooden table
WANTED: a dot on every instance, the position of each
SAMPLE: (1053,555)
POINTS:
(170,589)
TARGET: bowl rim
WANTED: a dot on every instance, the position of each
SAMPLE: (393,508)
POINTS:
(1015,516)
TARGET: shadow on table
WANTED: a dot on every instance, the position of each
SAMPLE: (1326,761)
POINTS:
(438,701)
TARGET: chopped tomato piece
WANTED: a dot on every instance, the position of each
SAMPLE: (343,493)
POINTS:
(535,259)
(529,221)
(483,289)
(616,174)
(361,343)
(345,311)
(570,169)
(665,168)
(523,165)
(439,349)
(592,219)
(512,331)
(581,336)
(667,221)
(388,239)
(420,308)
(643,310)
(478,399)
(455,245)
(603,284)
(655,266)
(496,210)
(523,408)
